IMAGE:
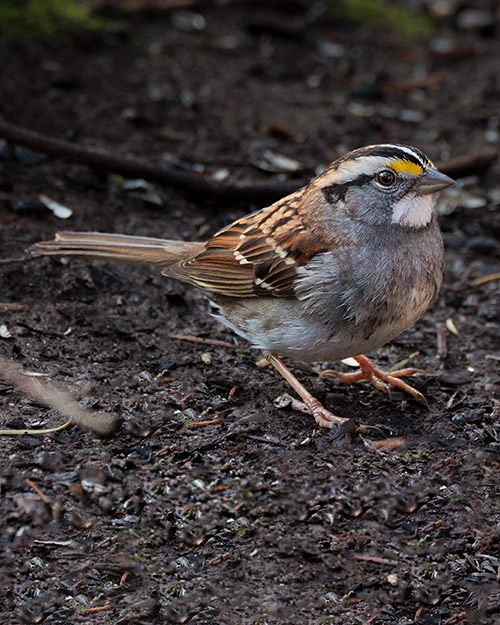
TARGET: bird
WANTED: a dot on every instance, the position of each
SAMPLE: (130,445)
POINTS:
(334,270)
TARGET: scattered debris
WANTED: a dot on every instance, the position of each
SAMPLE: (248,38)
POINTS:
(273,162)
(255,517)
(60,211)
(206,358)
(142,190)
(188,21)
(4,332)
(450,324)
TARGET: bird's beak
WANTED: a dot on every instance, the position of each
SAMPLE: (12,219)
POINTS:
(433,181)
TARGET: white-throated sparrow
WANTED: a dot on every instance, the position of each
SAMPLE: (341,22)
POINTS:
(336,269)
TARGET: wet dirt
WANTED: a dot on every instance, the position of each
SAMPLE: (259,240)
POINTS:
(260,517)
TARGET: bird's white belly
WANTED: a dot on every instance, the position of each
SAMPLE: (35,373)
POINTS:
(314,348)
(290,333)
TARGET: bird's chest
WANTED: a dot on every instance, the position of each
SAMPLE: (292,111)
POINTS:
(393,296)
(394,312)
(375,322)
(376,293)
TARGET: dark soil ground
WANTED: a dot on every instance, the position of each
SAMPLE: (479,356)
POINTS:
(262,517)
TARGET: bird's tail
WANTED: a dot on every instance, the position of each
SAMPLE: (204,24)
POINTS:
(159,252)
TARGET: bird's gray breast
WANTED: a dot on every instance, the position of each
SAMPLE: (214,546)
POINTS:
(367,294)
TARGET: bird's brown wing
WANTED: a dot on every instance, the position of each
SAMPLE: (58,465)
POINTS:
(257,255)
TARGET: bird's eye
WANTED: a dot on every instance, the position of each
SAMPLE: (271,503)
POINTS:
(386,178)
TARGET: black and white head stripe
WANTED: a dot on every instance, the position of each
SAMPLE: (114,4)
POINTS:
(366,162)
(392,151)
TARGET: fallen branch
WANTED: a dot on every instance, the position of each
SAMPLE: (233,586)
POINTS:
(469,164)
(39,492)
(12,306)
(10,261)
(163,6)
(198,339)
(99,423)
(194,185)
(376,559)
(485,279)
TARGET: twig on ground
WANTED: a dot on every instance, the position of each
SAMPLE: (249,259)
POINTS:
(19,259)
(39,492)
(33,431)
(485,279)
(12,306)
(198,339)
(202,423)
(389,444)
(163,6)
(193,184)
(469,164)
(375,559)
(99,609)
(100,423)
(442,344)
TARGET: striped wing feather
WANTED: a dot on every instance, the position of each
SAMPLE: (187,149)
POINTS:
(256,256)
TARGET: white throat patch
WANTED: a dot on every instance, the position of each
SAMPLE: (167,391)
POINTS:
(414,211)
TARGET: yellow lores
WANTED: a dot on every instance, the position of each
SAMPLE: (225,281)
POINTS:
(408,167)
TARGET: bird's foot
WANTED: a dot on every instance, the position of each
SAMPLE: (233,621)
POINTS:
(313,407)
(382,380)
(309,404)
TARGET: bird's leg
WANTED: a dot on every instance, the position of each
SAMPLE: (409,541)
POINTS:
(380,379)
(309,404)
